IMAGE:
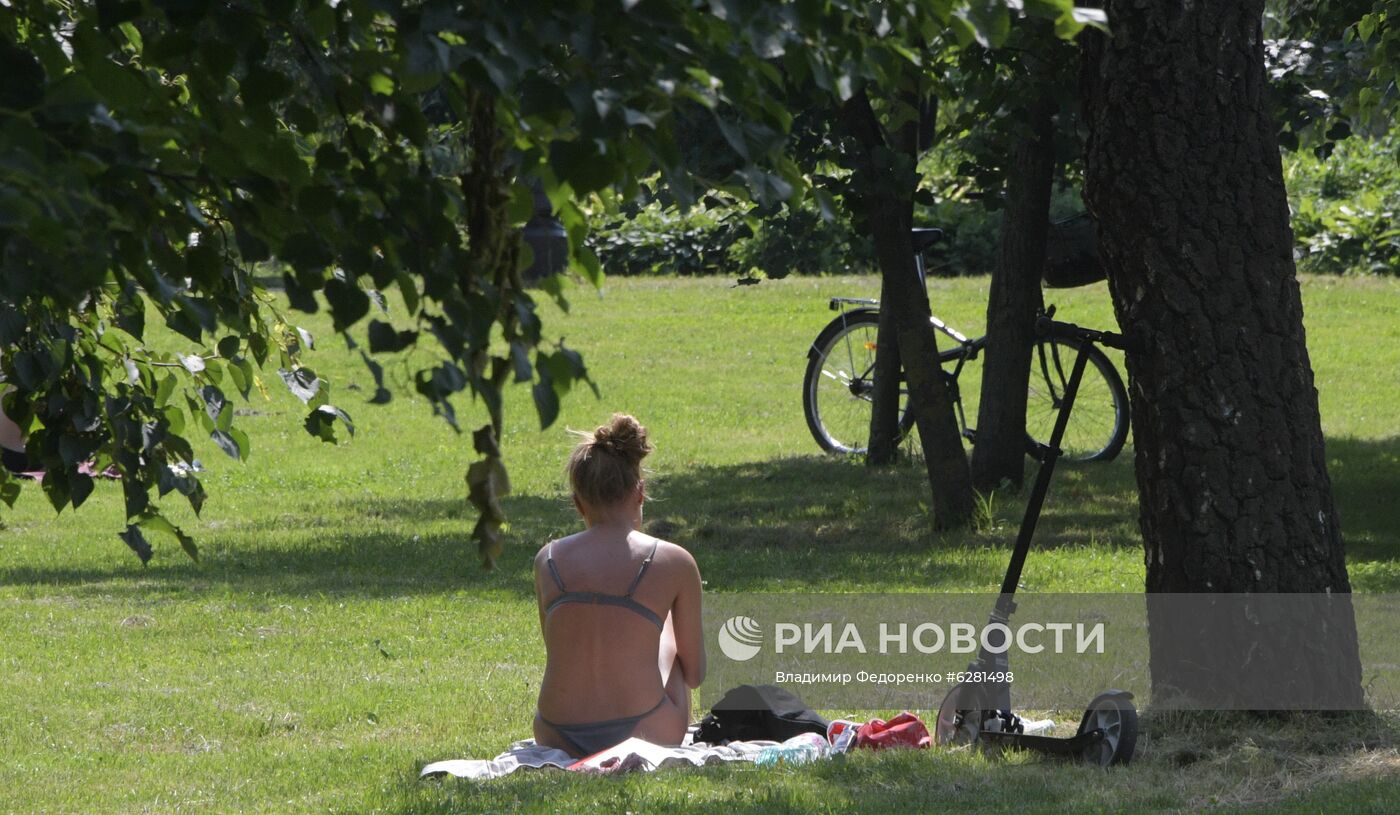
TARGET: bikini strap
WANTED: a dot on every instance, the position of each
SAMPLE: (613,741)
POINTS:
(549,561)
(642,571)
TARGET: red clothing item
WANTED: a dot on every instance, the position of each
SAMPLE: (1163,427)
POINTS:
(904,730)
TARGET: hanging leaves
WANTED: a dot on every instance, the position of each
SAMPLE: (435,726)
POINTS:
(154,152)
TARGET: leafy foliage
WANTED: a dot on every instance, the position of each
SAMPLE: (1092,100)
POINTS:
(1346,208)
(1334,65)
(800,241)
(156,152)
(664,240)
(1335,68)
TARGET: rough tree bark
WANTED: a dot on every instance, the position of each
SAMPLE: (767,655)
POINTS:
(884,398)
(1184,176)
(1000,452)
(886,168)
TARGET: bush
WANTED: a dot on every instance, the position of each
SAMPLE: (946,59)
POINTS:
(653,240)
(1346,219)
(1346,208)
(974,231)
(800,242)
(724,241)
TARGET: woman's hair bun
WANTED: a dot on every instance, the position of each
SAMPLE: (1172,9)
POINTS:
(623,437)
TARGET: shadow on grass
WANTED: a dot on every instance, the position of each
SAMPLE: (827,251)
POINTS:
(783,523)
(1366,481)
(810,522)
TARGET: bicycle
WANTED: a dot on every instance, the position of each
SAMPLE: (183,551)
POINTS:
(837,386)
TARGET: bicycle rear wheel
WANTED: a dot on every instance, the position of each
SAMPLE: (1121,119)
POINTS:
(1098,424)
(840,380)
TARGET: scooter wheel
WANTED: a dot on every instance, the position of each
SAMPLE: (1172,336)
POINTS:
(956,724)
(1114,714)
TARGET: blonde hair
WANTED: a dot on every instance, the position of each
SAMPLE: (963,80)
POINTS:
(606,465)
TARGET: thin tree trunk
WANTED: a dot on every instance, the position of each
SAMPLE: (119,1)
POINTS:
(1184,176)
(913,139)
(999,454)
(890,181)
(884,420)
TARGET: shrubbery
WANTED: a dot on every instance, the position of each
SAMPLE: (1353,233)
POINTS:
(653,240)
(1346,219)
(1346,208)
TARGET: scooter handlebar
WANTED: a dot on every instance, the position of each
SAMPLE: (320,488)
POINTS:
(1046,327)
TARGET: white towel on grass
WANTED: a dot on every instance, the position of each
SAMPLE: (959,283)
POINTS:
(633,754)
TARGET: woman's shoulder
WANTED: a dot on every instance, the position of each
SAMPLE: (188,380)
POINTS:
(669,555)
(547,548)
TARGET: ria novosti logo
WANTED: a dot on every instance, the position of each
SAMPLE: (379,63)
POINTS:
(741,638)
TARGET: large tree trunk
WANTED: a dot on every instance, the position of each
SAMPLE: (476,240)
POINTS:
(1000,452)
(1184,176)
(889,180)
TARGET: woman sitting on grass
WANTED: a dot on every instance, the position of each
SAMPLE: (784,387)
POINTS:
(619,610)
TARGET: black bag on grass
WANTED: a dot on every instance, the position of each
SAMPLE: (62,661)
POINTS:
(759,712)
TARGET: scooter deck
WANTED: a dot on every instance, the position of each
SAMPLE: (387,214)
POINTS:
(1044,744)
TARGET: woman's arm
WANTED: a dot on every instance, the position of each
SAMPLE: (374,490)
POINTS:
(685,616)
(539,586)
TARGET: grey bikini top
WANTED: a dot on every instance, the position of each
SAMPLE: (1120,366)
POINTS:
(599,598)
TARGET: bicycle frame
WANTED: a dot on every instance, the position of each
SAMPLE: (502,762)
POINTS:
(965,349)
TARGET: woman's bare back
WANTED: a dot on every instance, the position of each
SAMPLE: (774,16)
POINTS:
(606,660)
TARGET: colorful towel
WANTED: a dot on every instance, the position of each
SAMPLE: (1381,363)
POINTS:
(633,755)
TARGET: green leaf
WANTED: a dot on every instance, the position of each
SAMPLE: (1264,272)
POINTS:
(381,84)
(214,401)
(164,390)
(10,487)
(200,414)
(302,382)
(241,372)
(321,422)
(240,438)
(591,268)
(520,358)
(55,487)
(546,401)
(384,339)
(155,521)
(1366,27)
(349,303)
(228,444)
(80,487)
(133,538)
(119,85)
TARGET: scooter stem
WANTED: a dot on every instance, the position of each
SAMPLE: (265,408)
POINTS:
(1005,603)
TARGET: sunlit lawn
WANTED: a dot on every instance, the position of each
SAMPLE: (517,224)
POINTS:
(337,632)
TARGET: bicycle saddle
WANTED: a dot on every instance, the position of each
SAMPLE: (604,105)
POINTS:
(924,237)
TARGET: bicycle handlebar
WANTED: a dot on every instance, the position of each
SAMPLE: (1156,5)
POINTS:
(1046,327)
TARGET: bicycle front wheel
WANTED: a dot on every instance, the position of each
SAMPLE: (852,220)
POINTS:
(1098,423)
(838,387)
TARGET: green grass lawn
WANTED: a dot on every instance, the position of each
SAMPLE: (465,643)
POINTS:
(338,633)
